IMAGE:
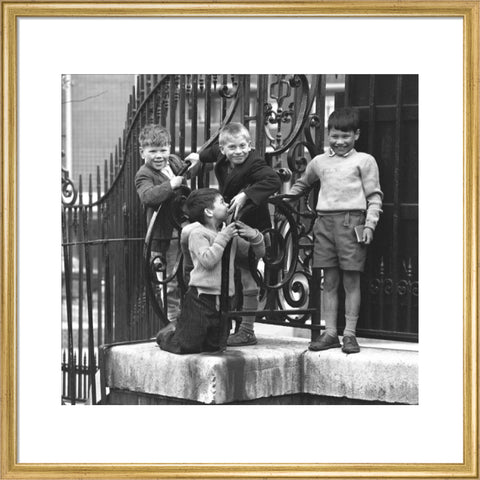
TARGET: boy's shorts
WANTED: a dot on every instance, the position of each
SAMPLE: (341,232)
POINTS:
(335,243)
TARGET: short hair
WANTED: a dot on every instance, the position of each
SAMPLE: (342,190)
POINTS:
(153,135)
(345,119)
(233,129)
(198,201)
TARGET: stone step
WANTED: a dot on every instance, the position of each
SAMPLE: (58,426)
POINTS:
(275,367)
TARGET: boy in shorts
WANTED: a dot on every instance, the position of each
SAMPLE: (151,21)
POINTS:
(349,196)
(199,327)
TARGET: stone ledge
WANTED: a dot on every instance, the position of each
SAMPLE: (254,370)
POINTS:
(373,374)
(276,367)
(271,368)
(124,397)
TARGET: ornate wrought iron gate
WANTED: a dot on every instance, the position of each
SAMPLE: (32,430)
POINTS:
(104,228)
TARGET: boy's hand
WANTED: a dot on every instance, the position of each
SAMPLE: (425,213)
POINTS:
(245,231)
(237,202)
(367,235)
(176,182)
(194,158)
(230,230)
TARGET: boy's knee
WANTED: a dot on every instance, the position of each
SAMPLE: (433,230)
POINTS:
(331,279)
(248,282)
(351,280)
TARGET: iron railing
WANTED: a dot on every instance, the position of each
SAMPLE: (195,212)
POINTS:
(106,278)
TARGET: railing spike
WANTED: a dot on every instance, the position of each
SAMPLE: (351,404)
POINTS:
(99,183)
(112,173)
(80,190)
(105,175)
(90,188)
(120,149)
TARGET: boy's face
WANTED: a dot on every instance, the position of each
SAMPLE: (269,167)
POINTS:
(155,156)
(219,209)
(342,142)
(236,149)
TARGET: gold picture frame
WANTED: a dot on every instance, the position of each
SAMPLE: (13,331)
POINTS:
(469,11)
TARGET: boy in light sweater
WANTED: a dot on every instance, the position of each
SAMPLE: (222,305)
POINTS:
(199,327)
(349,196)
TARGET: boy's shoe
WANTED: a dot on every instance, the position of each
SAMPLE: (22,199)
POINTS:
(165,331)
(324,343)
(350,344)
(241,339)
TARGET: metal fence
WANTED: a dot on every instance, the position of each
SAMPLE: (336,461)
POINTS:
(107,294)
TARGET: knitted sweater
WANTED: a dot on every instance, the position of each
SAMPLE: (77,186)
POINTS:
(206,249)
(346,183)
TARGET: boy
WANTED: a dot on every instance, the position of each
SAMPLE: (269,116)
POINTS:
(199,327)
(156,182)
(246,182)
(349,196)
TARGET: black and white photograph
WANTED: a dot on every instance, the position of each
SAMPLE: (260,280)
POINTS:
(240,239)
(217,275)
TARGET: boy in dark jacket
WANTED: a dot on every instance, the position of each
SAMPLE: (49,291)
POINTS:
(246,181)
(156,182)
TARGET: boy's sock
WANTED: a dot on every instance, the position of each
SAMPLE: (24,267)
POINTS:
(330,325)
(350,325)
(245,335)
(250,302)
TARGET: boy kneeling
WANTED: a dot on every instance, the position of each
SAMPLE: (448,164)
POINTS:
(199,327)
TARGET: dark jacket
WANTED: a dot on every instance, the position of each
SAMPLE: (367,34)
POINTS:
(154,189)
(254,177)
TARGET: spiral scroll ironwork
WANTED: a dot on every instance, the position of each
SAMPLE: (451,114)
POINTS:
(69,192)
(229,90)
(383,285)
(155,265)
(287,277)
(292,99)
